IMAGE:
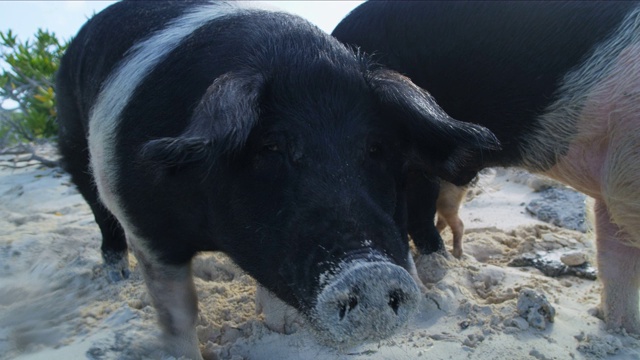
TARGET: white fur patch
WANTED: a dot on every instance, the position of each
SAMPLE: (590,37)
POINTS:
(117,90)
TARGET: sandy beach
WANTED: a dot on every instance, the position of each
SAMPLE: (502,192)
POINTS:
(56,301)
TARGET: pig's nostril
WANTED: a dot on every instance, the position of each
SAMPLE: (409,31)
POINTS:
(347,306)
(353,301)
(343,310)
(395,299)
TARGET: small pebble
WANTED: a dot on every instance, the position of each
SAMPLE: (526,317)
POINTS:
(574,258)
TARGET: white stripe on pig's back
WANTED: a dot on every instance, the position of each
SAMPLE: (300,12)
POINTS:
(119,87)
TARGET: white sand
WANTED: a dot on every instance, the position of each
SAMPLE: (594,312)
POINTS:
(56,303)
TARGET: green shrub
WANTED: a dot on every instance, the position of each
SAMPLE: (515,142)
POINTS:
(27,78)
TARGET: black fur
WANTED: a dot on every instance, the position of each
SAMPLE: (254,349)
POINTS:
(259,136)
(494,63)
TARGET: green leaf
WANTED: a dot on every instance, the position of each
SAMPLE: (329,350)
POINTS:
(28,80)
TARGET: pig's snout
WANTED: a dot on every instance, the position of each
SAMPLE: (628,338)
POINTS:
(366,301)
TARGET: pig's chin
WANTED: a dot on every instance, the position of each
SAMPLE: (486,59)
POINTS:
(366,300)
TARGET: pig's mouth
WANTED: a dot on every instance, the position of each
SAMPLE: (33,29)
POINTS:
(367,299)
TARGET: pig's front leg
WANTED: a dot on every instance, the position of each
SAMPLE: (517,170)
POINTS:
(422,193)
(619,271)
(174,297)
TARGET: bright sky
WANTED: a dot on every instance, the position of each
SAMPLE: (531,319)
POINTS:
(66,17)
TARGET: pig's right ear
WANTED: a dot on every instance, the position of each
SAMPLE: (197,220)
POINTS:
(443,146)
(220,124)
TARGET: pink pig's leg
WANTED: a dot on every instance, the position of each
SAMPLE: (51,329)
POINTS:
(619,271)
(448,204)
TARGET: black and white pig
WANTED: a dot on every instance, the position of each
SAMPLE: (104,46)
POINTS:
(213,126)
(559,85)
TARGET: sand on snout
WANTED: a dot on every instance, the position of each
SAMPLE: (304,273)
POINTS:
(57,303)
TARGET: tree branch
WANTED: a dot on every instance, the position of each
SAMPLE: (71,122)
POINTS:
(23,149)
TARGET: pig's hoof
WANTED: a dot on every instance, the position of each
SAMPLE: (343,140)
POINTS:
(624,322)
(278,315)
(116,275)
(116,265)
(433,267)
(618,320)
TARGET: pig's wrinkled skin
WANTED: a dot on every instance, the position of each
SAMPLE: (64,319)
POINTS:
(559,85)
(199,126)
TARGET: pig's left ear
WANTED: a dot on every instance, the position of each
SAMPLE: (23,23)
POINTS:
(220,124)
(443,146)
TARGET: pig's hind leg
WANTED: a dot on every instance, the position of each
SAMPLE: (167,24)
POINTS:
(74,149)
(448,204)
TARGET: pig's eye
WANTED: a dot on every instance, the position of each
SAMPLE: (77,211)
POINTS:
(267,154)
(270,147)
(375,150)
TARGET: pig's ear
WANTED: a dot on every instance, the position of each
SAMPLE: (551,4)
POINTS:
(220,124)
(446,147)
